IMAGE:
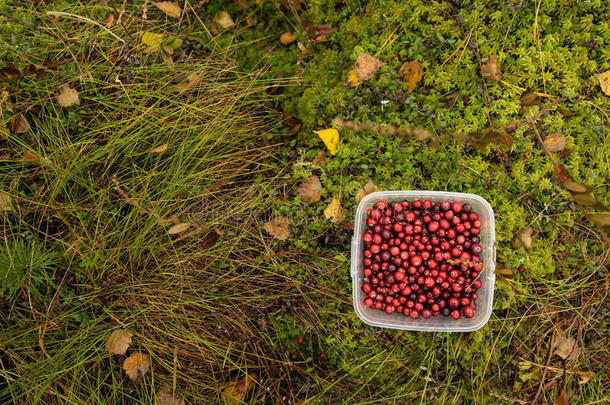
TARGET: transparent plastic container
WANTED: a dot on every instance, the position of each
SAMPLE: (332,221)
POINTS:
(439,323)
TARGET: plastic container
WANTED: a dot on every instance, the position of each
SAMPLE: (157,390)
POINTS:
(439,323)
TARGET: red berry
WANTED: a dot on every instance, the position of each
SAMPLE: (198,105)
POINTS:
(455,314)
(456,207)
(300,340)
(521,269)
(468,312)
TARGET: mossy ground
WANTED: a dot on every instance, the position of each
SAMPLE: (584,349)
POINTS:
(301,287)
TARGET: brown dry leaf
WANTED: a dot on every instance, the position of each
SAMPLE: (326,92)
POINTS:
(319,159)
(555,142)
(31,156)
(67,97)
(491,69)
(334,211)
(411,73)
(179,228)
(368,188)
(160,148)
(118,342)
(19,124)
(529,98)
(191,81)
(165,397)
(279,227)
(585,376)
(170,8)
(287,38)
(562,399)
(575,187)
(366,66)
(136,365)
(586,199)
(209,240)
(604,81)
(291,122)
(235,393)
(601,220)
(5,201)
(9,73)
(504,271)
(309,189)
(523,238)
(481,140)
(566,347)
(224,20)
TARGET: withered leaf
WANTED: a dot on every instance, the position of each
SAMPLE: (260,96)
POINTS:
(562,399)
(334,211)
(179,228)
(68,97)
(160,148)
(235,393)
(555,142)
(411,73)
(368,188)
(366,66)
(5,201)
(279,227)
(165,397)
(31,156)
(523,238)
(287,38)
(323,29)
(19,124)
(481,140)
(9,73)
(136,365)
(118,342)
(224,20)
(604,81)
(601,220)
(209,239)
(491,69)
(566,347)
(504,271)
(191,81)
(290,121)
(529,98)
(585,377)
(170,8)
(309,189)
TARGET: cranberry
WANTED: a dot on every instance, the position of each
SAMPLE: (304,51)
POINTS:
(521,269)
(300,340)
(468,311)
(455,314)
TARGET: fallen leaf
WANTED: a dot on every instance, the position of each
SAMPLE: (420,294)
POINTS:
(179,228)
(160,148)
(151,39)
(504,271)
(368,188)
(31,156)
(323,29)
(330,137)
(604,81)
(585,376)
(67,97)
(491,69)
(224,20)
(319,159)
(165,397)
(481,140)
(278,227)
(523,238)
(575,187)
(352,78)
(118,342)
(366,66)
(562,399)
(170,8)
(309,189)
(19,124)
(191,81)
(9,73)
(601,220)
(529,98)
(5,201)
(136,365)
(555,142)
(411,73)
(334,212)
(109,20)
(291,122)
(566,348)
(287,38)
(209,240)
(586,199)
(235,393)
(251,20)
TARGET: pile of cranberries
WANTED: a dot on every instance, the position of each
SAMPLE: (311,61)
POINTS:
(422,258)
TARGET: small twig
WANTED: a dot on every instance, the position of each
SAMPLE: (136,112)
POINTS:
(515,124)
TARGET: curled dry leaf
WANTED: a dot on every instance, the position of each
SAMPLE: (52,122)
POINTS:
(491,69)
(160,148)
(279,227)
(481,140)
(330,137)
(136,365)
(411,73)
(118,342)
(334,211)
(566,347)
(555,142)
(165,397)
(366,66)
(235,393)
(368,188)
(529,98)
(523,238)
(224,20)
(170,8)
(19,125)
(604,81)
(309,189)
(179,228)
(5,201)
(287,38)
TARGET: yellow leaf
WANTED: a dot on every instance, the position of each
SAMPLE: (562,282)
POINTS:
(555,142)
(179,228)
(224,20)
(5,201)
(136,365)
(235,393)
(330,137)
(334,212)
(585,376)
(170,8)
(566,347)
(369,188)
(118,342)
(152,39)
(287,38)
(491,69)
(367,66)
(604,81)
(160,148)
(165,397)
(67,97)
(352,78)
(309,189)
(411,73)
(279,227)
